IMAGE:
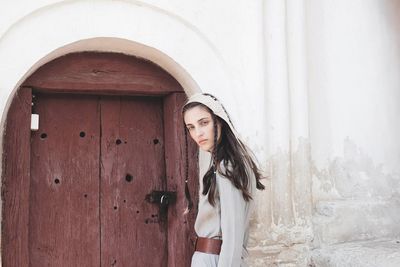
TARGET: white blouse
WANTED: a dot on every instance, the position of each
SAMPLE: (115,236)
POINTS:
(229,219)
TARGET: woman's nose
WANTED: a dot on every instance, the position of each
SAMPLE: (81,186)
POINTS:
(198,132)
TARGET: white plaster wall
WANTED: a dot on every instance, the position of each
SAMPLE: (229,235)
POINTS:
(354,82)
(354,59)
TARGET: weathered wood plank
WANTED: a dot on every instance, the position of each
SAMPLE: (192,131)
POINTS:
(110,73)
(181,233)
(15,181)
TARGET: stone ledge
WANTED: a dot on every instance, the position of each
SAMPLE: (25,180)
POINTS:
(296,255)
(382,253)
(355,220)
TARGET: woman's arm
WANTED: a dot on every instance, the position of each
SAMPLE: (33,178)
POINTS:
(233,208)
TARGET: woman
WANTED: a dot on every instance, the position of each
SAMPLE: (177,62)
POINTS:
(227,188)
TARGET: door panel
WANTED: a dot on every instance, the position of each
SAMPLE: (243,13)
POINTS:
(64,195)
(132,165)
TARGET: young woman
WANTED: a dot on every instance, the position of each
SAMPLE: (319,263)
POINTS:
(227,188)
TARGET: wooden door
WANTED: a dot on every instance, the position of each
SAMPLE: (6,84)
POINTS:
(93,162)
(73,192)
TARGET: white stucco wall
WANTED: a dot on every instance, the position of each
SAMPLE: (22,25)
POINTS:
(354,81)
(354,78)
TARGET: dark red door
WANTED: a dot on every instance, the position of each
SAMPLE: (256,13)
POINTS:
(73,192)
(93,162)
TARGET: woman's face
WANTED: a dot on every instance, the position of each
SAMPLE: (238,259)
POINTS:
(200,125)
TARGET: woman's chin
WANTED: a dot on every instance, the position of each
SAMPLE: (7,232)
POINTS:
(205,148)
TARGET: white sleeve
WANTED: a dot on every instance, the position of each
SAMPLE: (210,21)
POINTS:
(232,222)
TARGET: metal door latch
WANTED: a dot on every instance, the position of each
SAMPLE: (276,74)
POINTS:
(163,199)
(159,197)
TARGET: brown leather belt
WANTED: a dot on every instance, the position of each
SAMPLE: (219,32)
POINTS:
(208,245)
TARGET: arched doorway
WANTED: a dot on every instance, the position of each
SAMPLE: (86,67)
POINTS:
(84,189)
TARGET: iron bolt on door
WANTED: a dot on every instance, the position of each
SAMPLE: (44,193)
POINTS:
(163,199)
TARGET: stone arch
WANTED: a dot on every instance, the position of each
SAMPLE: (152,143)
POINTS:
(141,29)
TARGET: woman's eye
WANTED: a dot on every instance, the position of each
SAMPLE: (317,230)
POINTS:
(204,123)
(190,128)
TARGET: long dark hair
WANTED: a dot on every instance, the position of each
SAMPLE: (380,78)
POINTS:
(235,156)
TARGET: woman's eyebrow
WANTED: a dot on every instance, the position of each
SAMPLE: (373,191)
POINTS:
(199,120)
(205,118)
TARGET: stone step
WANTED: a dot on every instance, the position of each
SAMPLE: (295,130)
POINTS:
(381,253)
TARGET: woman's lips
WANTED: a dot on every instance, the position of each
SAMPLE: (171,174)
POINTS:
(202,141)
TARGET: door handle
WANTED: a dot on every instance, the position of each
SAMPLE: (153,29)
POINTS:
(163,199)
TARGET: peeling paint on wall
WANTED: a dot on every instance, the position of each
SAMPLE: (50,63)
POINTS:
(353,199)
(281,230)
(354,175)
